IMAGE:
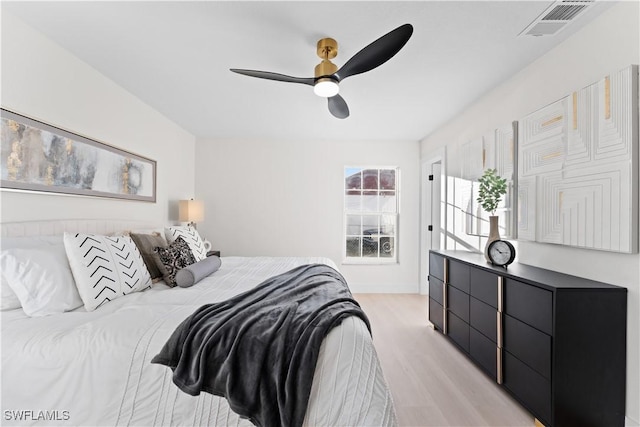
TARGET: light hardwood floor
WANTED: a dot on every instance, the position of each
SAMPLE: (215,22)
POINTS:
(432,382)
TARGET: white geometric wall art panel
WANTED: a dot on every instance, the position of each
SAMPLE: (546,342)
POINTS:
(527,208)
(505,150)
(585,208)
(472,155)
(495,149)
(591,200)
(489,151)
(614,123)
(544,138)
(581,128)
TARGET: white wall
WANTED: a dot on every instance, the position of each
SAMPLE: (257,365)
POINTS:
(43,81)
(608,44)
(282,198)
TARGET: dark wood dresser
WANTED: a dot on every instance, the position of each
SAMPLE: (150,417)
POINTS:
(555,342)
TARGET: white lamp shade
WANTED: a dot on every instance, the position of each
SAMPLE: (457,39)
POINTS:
(190,210)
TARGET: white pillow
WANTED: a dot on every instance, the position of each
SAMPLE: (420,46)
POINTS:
(191,236)
(41,279)
(105,267)
(8,299)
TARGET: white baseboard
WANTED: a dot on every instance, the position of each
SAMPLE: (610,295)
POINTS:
(368,288)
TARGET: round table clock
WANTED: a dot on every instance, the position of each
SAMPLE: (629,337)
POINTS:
(501,253)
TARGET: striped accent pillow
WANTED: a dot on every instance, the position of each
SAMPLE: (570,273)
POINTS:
(189,235)
(105,267)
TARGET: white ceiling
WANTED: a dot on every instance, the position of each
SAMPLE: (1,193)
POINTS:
(176,55)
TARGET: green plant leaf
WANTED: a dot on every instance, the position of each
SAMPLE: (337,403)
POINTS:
(492,188)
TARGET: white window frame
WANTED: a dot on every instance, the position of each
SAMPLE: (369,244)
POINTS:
(350,211)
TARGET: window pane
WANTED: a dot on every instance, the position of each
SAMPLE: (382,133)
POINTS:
(387,179)
(387,201)
(353,200)
(353,178)
(354,225)
(370,201)
(387,246)
(370,223)
(353,246)
(388,224)
(369,248)
(370,235)
(370,179)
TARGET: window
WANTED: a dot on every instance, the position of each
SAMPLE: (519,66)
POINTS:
(370,214)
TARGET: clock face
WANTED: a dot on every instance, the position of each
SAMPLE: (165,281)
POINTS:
(501,252)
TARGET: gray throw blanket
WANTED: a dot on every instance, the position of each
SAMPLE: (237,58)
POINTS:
(259,349)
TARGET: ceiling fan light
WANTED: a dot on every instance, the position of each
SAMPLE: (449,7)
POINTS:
(326,87)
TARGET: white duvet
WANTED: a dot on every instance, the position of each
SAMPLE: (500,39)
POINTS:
(87,369)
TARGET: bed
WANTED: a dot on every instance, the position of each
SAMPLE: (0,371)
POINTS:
(93,367)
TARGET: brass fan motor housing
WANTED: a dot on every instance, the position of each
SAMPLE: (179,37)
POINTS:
(325,68)
(327,49)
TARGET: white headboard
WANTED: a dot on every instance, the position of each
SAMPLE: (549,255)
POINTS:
(58,227)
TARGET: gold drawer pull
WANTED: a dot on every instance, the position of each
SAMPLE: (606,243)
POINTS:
(499,328)
(446,270)
(500,294)
(445,328)
(499,365)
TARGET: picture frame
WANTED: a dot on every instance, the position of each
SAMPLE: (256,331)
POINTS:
(40,157)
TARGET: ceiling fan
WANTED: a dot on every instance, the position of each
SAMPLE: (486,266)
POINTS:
(328,76)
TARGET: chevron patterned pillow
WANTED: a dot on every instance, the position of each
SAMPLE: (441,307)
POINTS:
(191,236)
(105,267)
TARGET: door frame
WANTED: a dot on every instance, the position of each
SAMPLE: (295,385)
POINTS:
(427,205)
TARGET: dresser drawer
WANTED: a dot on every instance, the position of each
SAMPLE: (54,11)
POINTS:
(484,286)
(435,289)
(458,303)
(458,331)
(459,275)
(436,314)
(529,345)
(530,304)
(531,388)
(483,317)
(483,351)
(436,266)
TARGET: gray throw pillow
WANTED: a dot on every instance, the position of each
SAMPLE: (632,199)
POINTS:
(146,243)
(193,273)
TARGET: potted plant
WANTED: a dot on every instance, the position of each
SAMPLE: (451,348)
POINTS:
(492,188)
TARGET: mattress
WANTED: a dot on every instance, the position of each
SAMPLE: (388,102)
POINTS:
(93,368)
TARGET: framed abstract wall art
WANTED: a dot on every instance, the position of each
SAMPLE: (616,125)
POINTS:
(36,156)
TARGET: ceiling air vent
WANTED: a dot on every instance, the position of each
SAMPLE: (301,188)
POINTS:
(556,17)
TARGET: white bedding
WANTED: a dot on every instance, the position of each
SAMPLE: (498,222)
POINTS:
(92,368)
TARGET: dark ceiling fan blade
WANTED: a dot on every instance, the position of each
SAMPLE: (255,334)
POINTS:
(377,53)
(338,107)
(275,76)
